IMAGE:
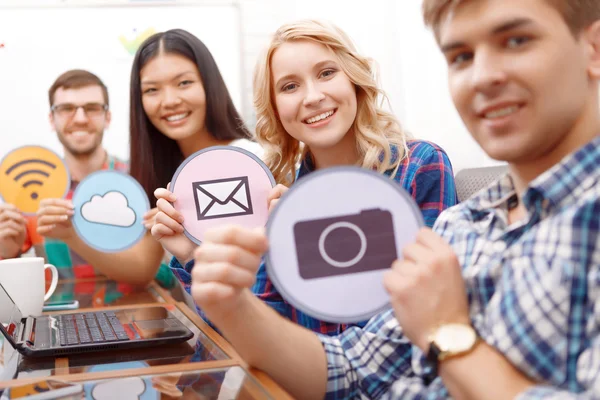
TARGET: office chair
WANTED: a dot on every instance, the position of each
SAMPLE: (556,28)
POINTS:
(471,180)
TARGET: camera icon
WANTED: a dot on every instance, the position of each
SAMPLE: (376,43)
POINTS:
(346,244)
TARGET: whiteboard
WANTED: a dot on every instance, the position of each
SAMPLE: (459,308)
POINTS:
(39,42)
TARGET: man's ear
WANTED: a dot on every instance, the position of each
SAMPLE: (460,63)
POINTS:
(108,118)
(51,120)
(593,38)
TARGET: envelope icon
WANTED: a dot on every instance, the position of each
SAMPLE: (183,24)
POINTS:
(221,198)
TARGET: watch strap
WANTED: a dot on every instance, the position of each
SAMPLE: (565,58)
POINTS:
(432,361)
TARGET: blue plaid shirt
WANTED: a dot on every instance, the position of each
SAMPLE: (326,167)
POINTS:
(425,172)
(533,289)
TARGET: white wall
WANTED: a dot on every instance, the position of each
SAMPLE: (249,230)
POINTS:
(412,70)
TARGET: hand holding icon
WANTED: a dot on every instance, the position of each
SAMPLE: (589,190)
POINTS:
(220,285)
(12,231)
(54,219)
(275,195)
(168,228)
(149,219)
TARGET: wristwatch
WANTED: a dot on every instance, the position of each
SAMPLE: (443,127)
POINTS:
(447,341)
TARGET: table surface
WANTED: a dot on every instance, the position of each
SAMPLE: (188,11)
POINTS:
(205,367)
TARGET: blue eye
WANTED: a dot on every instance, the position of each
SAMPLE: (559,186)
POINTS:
(327,73)
(288,87)
(516,41)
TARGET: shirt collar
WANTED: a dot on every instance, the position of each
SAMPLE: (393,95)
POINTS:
(556,186)
(563,182)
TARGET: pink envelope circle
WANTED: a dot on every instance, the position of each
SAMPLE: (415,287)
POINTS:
(221,185)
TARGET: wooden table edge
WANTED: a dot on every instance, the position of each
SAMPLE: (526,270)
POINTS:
(125,373)
(162,292)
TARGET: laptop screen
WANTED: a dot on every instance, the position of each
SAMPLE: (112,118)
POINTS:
(10,316)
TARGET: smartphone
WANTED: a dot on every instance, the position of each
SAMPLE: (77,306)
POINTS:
(49,389)
(61,305)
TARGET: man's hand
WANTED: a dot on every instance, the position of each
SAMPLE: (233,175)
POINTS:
(54,219)
(427,288)
(13,229)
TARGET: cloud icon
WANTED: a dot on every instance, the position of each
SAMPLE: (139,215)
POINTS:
(110,209)
(127,388)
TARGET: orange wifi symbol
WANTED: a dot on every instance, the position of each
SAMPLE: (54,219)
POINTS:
(37,174)
(32,173)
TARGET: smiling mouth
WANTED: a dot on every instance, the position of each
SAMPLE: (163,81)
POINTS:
(502,112)
(80,134)
(177,117)
(320,117)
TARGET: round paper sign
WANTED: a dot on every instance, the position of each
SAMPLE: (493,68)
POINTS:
(221,185)
(30,174)
(333,235)
(109,208)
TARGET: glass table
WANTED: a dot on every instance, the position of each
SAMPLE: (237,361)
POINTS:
(204,367)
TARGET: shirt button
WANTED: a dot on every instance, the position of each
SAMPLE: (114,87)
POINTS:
(499,247)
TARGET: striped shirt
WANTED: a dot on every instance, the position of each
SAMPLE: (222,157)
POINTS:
(533,290)
(425,172)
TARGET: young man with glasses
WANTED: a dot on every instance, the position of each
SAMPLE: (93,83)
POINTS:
(79,114)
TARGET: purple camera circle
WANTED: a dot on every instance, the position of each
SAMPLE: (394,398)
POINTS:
(355,259)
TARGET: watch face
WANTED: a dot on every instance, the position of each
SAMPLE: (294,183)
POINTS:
(455,338)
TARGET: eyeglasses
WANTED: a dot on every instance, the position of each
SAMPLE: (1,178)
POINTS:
(68,110)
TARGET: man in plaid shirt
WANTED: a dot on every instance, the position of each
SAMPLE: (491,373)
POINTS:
(502,298)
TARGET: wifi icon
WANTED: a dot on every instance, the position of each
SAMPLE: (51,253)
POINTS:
(31,176)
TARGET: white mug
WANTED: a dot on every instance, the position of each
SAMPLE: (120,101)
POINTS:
(24,281)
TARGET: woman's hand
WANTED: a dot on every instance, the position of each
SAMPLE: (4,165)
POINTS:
(275,194)
(226,266)
(168,228)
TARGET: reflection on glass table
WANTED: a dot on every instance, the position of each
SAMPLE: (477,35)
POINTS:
(199,348)
(219,384)
(101,293)
(9,360)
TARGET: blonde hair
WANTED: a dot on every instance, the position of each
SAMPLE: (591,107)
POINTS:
(375,129)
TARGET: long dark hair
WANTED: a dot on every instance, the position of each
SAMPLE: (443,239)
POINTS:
(154,157)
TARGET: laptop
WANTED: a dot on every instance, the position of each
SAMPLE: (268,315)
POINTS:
(64,334)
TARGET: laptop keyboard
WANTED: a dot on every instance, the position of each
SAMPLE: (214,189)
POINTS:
(87,328)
